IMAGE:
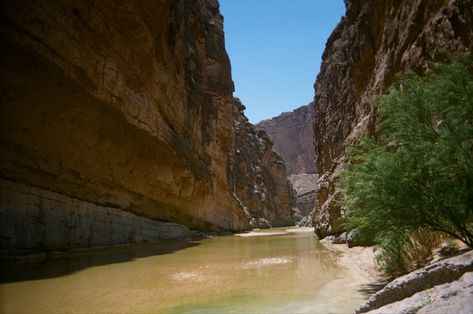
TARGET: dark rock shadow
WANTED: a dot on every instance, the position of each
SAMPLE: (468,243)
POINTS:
(372,288)
(61,264)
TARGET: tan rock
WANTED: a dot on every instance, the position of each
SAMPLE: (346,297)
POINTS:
(293,136)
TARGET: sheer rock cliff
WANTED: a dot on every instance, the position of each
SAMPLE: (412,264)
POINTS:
(373,42)
(292,134)
(120,108)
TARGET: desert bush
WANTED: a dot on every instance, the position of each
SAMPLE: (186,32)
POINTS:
(416,172)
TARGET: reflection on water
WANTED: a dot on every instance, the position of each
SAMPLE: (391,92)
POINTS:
(290,272)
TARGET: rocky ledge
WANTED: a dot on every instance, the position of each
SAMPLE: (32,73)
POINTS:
(445,286)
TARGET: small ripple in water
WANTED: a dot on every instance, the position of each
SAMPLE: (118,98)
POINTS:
(188,276)
(267,261)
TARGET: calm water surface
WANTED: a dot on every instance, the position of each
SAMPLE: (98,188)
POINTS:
(289,272)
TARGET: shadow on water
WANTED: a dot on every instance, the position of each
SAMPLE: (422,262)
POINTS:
(65,264)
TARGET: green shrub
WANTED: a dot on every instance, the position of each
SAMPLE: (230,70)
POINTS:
(417,172)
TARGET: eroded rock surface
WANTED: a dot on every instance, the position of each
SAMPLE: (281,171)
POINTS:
(293,136)
(374,42)
(417,288)
(57,222)
(455,297)
(123,105)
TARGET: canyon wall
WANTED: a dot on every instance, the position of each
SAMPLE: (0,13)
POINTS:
(292,134)
(304,189)
(125,106)
(259,175)
(374,41)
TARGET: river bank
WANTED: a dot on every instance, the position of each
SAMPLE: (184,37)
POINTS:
(444,286)
(359,259)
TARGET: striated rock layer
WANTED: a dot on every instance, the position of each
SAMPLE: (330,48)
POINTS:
(33,218)
(292,134)
(123,105)
(374,42)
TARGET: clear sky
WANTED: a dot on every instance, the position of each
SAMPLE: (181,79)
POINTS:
(275,47)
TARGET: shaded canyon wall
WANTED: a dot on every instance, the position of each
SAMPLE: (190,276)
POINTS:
(259,175)
(129,108)
(374,42)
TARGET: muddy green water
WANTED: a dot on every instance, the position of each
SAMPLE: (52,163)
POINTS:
(289,272)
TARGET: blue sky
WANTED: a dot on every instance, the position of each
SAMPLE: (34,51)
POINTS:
(275,47)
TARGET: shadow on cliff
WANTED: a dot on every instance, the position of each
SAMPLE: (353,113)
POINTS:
(57,265)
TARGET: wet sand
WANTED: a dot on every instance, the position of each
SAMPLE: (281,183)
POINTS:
(358,259)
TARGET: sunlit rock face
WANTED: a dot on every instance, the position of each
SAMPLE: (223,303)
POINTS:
(123,105)
(373,42)
(293,136)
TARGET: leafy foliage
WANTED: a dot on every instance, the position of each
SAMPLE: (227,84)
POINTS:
(417,174)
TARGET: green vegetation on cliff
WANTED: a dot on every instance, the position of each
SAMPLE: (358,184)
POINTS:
(416,175)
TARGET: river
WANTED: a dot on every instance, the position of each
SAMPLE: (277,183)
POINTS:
(285,270)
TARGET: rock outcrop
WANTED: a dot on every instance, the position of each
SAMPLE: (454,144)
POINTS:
(125,106)
(374,42)
(445,286)
(292,134)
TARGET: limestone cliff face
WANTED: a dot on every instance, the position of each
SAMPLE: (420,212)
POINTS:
(125,105)
(292,134)
(258,175)
(372,43)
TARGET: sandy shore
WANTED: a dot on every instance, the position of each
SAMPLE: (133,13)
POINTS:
(359,259)
(276,231)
